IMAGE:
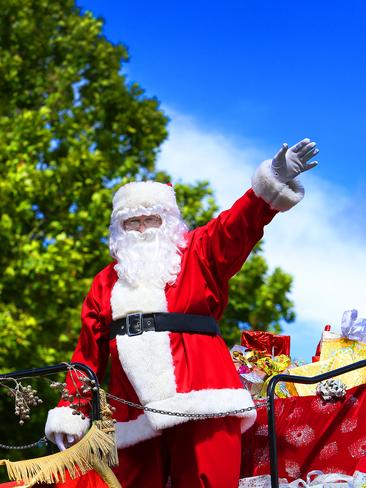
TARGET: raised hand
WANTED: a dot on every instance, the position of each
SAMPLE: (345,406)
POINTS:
(290,162)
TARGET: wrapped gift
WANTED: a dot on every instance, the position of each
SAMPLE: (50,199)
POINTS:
(238,356)
(311,369)
(256,368)
(251,377)
(339,359)
(334,343)
(352,338)
(266,342)
(252,382)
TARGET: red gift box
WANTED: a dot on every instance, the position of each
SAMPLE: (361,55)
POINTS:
(266,342)
(89,480)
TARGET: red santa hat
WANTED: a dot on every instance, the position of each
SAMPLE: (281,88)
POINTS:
(144,196)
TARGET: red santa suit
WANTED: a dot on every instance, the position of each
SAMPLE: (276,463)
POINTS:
(183,372)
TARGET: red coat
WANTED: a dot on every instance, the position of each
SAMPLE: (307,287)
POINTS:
(176,371)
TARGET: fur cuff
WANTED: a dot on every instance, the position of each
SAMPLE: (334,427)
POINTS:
(61,419)
(134,431)
(280,196)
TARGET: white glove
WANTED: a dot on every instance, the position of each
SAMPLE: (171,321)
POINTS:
(64,441)
(63,428)
(290,162)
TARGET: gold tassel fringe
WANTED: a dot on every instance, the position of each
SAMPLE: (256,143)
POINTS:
(107,475)
(96,448)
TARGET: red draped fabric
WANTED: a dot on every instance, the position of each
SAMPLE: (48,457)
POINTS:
(311,434)
(88,480)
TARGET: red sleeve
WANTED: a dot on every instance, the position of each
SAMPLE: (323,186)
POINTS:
(93,345)
(227,240)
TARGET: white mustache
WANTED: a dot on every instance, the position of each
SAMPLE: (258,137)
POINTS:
(148,235)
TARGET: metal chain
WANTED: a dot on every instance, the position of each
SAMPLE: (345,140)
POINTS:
(189,415)
(41,443)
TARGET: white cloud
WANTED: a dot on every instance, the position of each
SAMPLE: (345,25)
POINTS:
(310,241)
(192,154)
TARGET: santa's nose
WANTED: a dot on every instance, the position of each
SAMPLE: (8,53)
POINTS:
(142,227)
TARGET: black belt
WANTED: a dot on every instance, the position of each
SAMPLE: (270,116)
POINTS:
(137,323)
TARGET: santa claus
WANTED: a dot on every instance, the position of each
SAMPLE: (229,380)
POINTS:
(154,312)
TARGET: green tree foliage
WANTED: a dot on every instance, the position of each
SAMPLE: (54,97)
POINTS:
(72,129)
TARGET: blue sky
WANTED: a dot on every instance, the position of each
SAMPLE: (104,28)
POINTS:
(239,78)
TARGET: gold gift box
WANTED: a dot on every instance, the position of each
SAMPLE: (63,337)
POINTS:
(339,356)
(333,343)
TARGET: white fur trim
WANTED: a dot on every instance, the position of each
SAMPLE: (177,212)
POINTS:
(148,363)
(61,419)
(203,401)
(134,431)
(145,194)
(142,298)
(280,196)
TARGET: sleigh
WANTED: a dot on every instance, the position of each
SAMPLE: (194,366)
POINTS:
(298,435)
(291,437)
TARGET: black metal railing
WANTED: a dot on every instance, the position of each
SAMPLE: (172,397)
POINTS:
(59,368)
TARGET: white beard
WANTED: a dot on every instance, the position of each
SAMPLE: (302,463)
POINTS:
(147,261)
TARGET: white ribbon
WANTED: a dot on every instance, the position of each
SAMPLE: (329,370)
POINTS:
(329,480)
(359,479)
(353,328)
(315,479)
(262,481)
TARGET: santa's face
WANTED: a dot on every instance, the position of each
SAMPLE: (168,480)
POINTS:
(147,239)
(142,222)
(147,246)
